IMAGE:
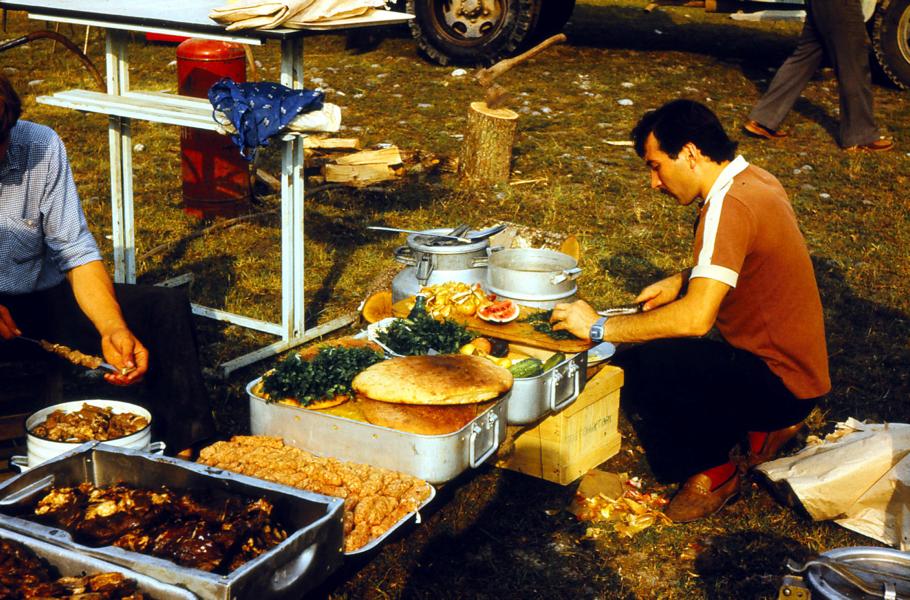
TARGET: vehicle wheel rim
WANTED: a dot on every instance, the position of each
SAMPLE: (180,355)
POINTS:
(470,22)
(903,34)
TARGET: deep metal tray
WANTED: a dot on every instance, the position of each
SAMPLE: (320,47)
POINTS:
(533,398)
(71,564)
(433,458)
(312,550)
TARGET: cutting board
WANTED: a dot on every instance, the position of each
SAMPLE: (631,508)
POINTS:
(518,331)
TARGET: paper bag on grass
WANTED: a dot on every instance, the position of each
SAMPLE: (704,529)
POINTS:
(860,478)
(883,512)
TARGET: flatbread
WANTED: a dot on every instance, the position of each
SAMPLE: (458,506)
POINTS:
(433,380)
(421,419)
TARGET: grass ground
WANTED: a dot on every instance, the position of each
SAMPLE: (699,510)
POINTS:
(495,533)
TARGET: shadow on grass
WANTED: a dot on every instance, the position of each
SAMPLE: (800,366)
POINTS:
(481,538)
(746,564)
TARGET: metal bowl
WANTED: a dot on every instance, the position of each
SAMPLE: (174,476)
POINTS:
(875,566)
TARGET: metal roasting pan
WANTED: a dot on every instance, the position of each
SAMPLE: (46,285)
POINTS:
(312,550)
(533,398)
(71,564)
(433,458)
(875,566)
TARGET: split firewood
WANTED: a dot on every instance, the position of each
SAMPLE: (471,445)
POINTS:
(382,156)
(359,175)
(317,143)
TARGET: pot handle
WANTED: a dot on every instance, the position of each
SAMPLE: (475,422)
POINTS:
(493,249)
(567,275)
(571,370)
(404,256)
(156,448)
(494,441)
(20,462)
(424,268)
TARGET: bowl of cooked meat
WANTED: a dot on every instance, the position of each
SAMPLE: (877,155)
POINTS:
(61,427)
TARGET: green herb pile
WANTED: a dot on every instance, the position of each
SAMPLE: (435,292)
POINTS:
(541,322)
(416,336)
(327,375)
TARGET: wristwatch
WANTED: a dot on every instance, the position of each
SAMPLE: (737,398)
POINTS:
(597,330)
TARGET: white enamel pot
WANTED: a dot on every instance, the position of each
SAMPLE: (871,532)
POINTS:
(40,449)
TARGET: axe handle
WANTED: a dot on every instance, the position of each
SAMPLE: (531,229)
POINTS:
(488,75)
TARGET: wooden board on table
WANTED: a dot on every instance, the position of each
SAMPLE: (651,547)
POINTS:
(517,331)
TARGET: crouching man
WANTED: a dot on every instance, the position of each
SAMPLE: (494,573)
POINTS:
(753,280)
(54,286)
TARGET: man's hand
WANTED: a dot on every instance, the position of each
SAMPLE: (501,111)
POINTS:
(661,292)
(576,318)
(8,329)
(124,351)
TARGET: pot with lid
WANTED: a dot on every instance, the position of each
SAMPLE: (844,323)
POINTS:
(533,276)
(428,262)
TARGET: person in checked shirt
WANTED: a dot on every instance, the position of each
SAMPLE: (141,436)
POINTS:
(54,285)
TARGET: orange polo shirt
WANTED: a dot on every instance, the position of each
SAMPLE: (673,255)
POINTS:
(748,238)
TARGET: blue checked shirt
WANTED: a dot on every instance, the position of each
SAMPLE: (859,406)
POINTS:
(43,232)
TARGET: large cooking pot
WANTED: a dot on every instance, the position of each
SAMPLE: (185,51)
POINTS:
(533,276)
(40,449)
(429,263)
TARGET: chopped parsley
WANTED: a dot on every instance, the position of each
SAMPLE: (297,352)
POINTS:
(418,335)
(541,322)
(327,375)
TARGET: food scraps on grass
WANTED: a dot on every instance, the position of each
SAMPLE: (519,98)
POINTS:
(630,513)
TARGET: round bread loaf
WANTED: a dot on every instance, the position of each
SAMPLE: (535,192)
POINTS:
(417,418)
(433,380)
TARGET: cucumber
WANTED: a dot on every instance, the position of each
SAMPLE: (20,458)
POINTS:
(529,367)
(553,361)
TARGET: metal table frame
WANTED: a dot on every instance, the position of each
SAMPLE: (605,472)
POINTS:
(122,105)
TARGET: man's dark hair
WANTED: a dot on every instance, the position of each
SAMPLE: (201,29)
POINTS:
(10,107)
(679,122)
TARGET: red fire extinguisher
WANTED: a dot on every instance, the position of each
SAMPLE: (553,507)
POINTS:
(216,179)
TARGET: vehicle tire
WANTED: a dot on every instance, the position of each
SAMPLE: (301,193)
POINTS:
(891,40)
(554,14)
(446,34)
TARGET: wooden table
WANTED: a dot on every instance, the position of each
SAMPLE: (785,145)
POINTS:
(189,18)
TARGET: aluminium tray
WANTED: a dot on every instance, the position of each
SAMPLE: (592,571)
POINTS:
(311,551)
(433,458)
(533,398)
(71,564)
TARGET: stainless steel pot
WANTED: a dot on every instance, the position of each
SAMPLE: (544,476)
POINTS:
(429,264)
(533,276)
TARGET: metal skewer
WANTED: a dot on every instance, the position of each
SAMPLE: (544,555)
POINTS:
(103,365)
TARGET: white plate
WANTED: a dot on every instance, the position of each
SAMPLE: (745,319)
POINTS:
(601,352)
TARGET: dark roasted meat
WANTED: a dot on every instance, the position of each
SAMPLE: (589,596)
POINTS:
(25,575)
(215,534)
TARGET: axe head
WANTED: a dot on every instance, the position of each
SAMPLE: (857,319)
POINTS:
(496,96)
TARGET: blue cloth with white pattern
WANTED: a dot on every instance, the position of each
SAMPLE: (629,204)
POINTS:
(259,110)
(43,231)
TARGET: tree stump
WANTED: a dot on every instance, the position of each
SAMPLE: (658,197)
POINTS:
(486,152)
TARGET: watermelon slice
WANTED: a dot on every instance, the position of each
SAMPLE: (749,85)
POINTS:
(501,311)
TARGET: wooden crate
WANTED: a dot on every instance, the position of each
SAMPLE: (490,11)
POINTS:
(565,446)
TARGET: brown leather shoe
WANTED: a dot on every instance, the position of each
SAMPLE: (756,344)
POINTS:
(773,444)
(758,130)
(695,499)
(879,145)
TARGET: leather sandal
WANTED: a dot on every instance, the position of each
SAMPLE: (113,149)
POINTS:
(758,130)
(696,500)
(773,444)
(879,145)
